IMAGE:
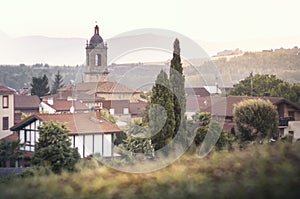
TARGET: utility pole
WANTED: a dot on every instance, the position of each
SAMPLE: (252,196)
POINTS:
(251,83)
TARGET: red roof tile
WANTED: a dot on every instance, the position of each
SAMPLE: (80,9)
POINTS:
(27,102)
(113,87)
(78,123)
(65,105)
(6,90)
(224,106)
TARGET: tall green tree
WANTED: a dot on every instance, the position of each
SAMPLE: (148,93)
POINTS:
(296,90)
(270,84)
(57,83)
(39,86)
(161,112)
(177,82)
(53,148)
(261,84)
(284,89)
(256,118)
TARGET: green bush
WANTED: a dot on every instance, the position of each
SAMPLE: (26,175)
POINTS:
(259,171)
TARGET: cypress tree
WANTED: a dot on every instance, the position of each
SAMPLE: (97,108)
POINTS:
(57,83)
(39,86)
(177,81)
(161,112)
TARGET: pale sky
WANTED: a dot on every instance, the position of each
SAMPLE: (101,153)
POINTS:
(207,20)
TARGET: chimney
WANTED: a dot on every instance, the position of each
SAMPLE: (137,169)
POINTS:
(72,109)
(50,101)
(98,112)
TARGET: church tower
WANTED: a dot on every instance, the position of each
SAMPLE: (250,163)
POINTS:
(96,59)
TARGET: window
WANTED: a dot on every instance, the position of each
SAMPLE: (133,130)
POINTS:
(5,101)
(5,123)
(125,111)
(98,60)
(291,115)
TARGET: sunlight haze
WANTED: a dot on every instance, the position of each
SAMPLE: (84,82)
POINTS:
(212,20)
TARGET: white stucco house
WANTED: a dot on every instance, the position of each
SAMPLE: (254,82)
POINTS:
(89,132)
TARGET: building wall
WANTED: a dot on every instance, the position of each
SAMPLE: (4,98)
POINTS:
(294,129)
(117,107)
(28,136)
(98,144)
(101,144)
(46,109)
(91,58)
(6,113)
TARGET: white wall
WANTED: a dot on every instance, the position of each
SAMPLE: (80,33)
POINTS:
(93,144)
(86,144)
(46,108)
(295,127)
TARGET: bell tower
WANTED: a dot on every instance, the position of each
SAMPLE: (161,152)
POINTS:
(96,59)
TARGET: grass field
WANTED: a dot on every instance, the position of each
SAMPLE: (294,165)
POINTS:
(260,171)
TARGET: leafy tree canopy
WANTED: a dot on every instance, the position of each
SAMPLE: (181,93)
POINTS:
(206,126)
(54,149)
(256,118)
(260,85)
(8,151)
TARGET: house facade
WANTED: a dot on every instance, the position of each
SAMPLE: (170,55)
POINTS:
(89,132)
(6,110)
(52,106)
(288,112)
(25,104)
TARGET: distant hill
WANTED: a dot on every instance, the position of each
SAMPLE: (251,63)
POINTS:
(71,51)
(284,63)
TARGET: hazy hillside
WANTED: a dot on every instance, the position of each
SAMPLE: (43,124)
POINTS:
(285,63)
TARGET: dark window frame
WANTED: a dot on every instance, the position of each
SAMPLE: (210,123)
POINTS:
(5,98)
(5,123)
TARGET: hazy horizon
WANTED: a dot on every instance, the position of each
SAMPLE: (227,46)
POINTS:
(216,25)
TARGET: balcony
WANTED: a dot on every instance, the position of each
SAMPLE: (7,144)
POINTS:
(284,121)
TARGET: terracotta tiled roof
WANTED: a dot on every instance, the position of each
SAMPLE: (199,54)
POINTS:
(226,105)
(6,90)
(27,102)
(65,105)
(78,123)
(113,87)
(85,86)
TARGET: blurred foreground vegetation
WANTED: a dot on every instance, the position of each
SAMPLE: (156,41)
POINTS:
(259,171)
